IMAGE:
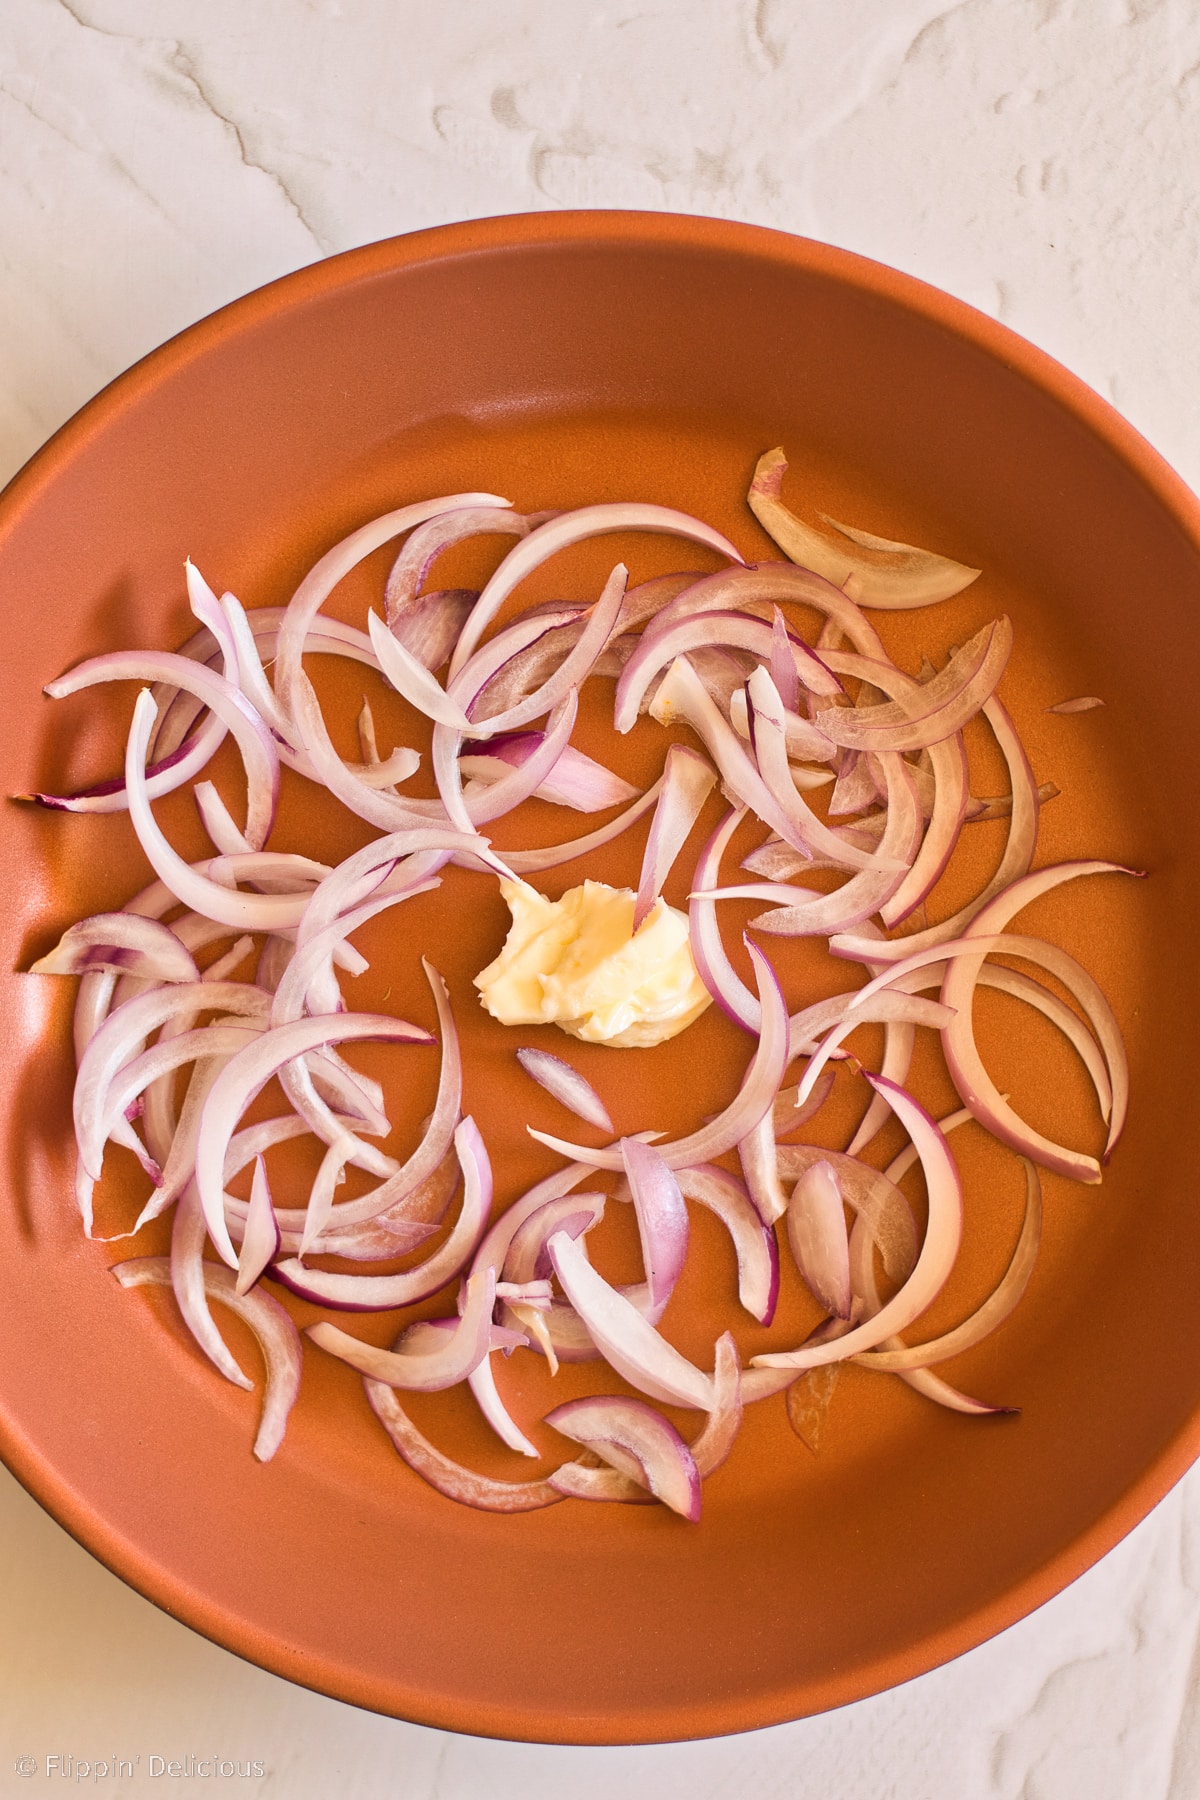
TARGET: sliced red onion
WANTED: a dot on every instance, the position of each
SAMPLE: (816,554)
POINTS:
(790,1113)
(948,778)
(368,869)
(400,1183)
(938,1252)
(123,1034)
(394,1233)
(125,942)
(519,660)
(576,1481)
(431,627)
(627,1340)
(661,1216)
(622,1430)
(558,1331)
(770,748)
(329,1176)
(411,678)
(994,1310)
(187,1265)
(271,1325)
(1018,854)
(817,1234)
(756,1153)
(531,862)
(412,566)
(447,1476)
(686,784)
(856,787)
(492,802)
(375,770)
(235,712)
(708,951)
(899,1043)
(494,1246)
(423,1370)
(715,1440)
(682,698)
(879,572)
(1085,703)
(260,1236)
(978,1091)
(754,1245)
(1107,1065)
(566,1085)
(380,1293)
(882,1210)
(575,781)
(482,1383)
(704,631)
(923,1381)
(527,1258)
(255,912)
(783,664)
(572,528)
(218,821)
(999,806)
(934,709)
(219,1040)
(247,1074)
(571,672)
(760,588)
(754,1098)
(865,891)
(387,811)
(179,1159)
(301,612)
(524,652)
(175,761)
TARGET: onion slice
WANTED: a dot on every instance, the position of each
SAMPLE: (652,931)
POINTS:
(754,1098)
(876,572)
(943,1234)
(573,528)
(444,1474)
(123,941)
(935,709)
(380,1293)
(994,1310)
(271,1325)
(637,1441)
(566,1084)
(260,1235)
(979,1093)
(687,781)
(627,1340)
(247,1074)
(753,1243)
(817,1233)
(426,1370)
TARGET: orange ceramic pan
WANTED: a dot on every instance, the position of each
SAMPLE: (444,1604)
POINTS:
(561,359)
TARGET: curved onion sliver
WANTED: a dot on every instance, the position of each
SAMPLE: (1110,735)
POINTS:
(271,1325)
(938,1252)
(878,573)
(979,1093)
(572,528)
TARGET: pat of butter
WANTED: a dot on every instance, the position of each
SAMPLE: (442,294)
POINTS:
(575,963)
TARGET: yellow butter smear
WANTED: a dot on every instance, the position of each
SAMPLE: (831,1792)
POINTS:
(575,963)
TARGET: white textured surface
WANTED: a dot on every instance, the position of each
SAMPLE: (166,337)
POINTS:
(159,157)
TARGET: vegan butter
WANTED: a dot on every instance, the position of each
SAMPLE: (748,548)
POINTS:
(575,963)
